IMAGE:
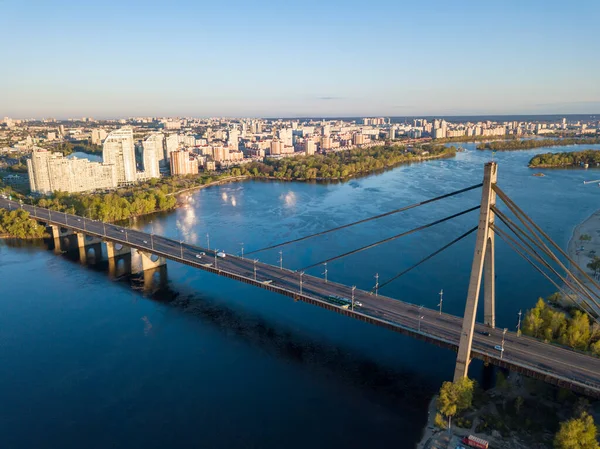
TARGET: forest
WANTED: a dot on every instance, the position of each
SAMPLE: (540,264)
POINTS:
(513,145)
(566,159)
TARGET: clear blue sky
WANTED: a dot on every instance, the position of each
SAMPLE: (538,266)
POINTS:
(108,58)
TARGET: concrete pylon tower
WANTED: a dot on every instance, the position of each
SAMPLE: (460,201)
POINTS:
(484,256)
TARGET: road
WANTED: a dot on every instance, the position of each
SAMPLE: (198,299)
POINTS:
(553,363)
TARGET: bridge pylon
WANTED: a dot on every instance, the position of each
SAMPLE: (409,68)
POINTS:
(483,258)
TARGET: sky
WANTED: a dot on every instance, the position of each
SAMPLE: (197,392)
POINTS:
(109,58)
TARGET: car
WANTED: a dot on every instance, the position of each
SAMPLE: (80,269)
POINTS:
(198,256)
(122,230)
(203,253)
(221,254)
(486,333)
(145,242)
(498,348)
(358,304)
(79,219)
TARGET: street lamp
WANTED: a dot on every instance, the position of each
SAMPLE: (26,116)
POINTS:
(353,288)
(281,260)
(503,335)
(216,258)
(325,272)
(441,300)
(376,284)
(242,249)
(181,246)
(519,325)
(255,260)
(420,317)
(207,241)
(301,274)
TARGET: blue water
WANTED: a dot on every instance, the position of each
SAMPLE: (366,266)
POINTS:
(201,361)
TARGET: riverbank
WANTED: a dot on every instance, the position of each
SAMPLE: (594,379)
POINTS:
(584,245)
(444,155)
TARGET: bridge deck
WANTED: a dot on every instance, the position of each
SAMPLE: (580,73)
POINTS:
(551,363)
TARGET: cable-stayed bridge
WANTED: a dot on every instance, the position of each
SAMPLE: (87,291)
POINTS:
(551,363)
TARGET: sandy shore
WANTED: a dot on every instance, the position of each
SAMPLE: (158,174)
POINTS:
(583,252)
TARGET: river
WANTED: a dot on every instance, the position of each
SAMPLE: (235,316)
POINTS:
(202,361)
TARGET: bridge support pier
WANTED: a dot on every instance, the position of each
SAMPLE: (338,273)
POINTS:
(116,249)
(83,242)
(484,254)
(58,234)
(142,261)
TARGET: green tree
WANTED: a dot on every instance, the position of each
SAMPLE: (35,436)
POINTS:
(455,397)
(577,433)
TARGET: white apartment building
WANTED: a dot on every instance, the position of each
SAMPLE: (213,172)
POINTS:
(119,150)
(98,135)
(50,172)
(153,154)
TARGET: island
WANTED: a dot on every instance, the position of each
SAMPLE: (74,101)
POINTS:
(528,144)
(583,158)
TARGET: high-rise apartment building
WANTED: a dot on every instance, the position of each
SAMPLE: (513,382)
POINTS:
(98,135)
(119,150)
(310,146)
(171,144)
(153,154)
(50,172)
(182,163)
(233,139)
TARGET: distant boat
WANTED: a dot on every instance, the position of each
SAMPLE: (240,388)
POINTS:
(539,174)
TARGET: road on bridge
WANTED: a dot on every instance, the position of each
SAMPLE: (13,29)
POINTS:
(557,363)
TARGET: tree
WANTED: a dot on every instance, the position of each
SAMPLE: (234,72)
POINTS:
(577,433)
(519,401)
(455,397)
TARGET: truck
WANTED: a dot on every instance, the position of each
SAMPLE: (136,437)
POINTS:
(476,442)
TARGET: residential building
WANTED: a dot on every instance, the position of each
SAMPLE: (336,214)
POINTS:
(119,150)
(98,135)
(50,172)
(153,154)
(183,163)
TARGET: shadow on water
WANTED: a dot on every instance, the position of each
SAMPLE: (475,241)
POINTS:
(391,387)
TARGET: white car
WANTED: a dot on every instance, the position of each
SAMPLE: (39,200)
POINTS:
(145,242)
(198,256)
(358,304)
(221,254)
(498,348)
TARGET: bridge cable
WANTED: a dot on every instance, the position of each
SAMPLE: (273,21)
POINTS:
(517,211)
(510,203)
(578,287)
(521,250)
(520,234)
(435,253)
(518,251)
(395,211)
(389,239)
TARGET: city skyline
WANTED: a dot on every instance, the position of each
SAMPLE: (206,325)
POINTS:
(388,59)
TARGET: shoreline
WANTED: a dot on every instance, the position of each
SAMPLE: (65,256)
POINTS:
(582,252)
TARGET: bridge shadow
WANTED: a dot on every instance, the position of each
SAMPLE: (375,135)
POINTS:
(393,387)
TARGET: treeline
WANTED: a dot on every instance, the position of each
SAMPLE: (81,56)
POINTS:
(83,146)
(16,223)
(566,159)
(114,206)
(474,138)
(341,165)
(512,145)
(571,329)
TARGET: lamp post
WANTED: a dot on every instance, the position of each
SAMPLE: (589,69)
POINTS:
(181,246)
(420,317)
(325,272)
(376,284)
(242,249)
(519,324)
(353,288)
(441,300)
(255,260)
(216,258)
(301,274)
(503,335)
(281,260)
(207,241)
